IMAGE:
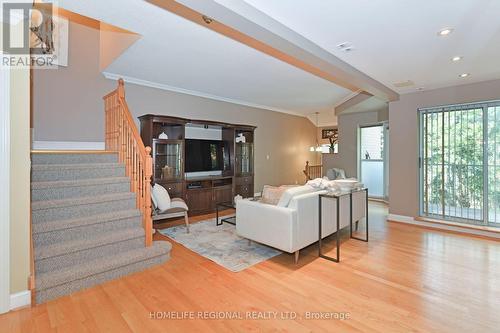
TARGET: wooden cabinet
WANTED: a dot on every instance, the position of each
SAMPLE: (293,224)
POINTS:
(201,194)
(223,194)
(246,191)
(168,160)
(174,189)
(199,200)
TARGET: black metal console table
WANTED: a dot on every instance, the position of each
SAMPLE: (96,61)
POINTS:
(337,196)
(225,205)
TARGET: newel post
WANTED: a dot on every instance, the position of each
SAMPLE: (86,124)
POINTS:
(121,88)
(148,222)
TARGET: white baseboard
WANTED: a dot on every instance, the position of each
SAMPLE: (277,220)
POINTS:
(20,299)
(68,145)
(442,226)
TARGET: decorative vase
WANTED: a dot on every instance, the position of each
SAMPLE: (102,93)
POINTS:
(167,172)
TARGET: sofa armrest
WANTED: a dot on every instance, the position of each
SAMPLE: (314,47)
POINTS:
(266,224)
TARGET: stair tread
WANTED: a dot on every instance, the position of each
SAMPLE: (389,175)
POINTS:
(49,226)
(61,276)
(78,182)
(62,248)
(46,204)
(97,165)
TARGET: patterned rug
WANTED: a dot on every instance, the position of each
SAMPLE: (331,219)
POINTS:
(221,244)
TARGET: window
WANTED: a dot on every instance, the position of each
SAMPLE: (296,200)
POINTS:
(460,163)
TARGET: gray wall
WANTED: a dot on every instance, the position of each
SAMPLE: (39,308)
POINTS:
(348,125)
(403,141)
(68,107)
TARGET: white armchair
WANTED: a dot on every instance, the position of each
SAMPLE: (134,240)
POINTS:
(294,226)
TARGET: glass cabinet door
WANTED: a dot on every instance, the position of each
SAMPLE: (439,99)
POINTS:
(168,156)
(244,158)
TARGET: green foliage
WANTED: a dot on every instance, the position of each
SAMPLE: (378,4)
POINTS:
(453,147)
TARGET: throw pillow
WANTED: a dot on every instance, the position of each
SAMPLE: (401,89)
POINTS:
(161,197)
(272,194)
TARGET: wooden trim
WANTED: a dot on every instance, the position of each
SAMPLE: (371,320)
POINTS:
(185,121)
(122,136)
(73,152)
(313,171)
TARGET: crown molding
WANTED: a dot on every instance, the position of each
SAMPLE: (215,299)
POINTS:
(150,84)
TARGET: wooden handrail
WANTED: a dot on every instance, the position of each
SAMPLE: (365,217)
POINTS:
(123,136)
(313,171)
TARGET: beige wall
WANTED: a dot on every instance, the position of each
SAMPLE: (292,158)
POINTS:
(19,179)
(68,107)
(403,141)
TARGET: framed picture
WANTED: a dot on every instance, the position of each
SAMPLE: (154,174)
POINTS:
(329,133)
(52,37)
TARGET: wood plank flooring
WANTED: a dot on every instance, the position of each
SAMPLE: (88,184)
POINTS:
(406,279)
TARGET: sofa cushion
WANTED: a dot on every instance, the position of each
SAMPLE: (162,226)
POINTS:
(178,203)
(292,192)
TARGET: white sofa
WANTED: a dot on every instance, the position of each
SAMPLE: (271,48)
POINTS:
(293,224)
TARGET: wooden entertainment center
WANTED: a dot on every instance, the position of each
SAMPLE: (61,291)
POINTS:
(201,193)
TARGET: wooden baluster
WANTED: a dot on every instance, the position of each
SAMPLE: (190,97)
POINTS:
(148,223)
(122,136)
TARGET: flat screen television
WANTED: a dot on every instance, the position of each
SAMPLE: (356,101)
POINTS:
(204,155)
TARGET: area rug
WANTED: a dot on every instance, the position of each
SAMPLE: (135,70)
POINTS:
(221,244)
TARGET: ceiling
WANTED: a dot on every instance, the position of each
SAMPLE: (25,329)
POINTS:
(177,54)
(397,40)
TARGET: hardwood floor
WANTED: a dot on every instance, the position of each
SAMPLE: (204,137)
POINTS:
(405,279)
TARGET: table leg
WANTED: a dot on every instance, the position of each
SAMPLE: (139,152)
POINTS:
(337,235)
(366,219)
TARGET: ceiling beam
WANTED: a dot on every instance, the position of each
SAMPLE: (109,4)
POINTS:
(239,21)
(354,100)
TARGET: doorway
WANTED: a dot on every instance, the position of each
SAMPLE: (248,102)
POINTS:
(373,157)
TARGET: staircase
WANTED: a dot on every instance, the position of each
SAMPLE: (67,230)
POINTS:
(86,228)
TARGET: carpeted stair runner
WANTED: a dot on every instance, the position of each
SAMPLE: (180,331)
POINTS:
(86,228)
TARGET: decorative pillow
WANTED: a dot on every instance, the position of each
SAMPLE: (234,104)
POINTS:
(161,196)
(272,194)
(335,173)
(292,192)
(340,173)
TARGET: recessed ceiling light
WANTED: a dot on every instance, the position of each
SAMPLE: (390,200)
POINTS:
(457,58)
(464,75)
(445,32)
(348,49)
(344,45)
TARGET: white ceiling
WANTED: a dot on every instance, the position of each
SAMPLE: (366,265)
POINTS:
(396,40)
(175,53)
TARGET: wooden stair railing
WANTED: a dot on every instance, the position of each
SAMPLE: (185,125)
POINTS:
(122,136)
(313,171)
